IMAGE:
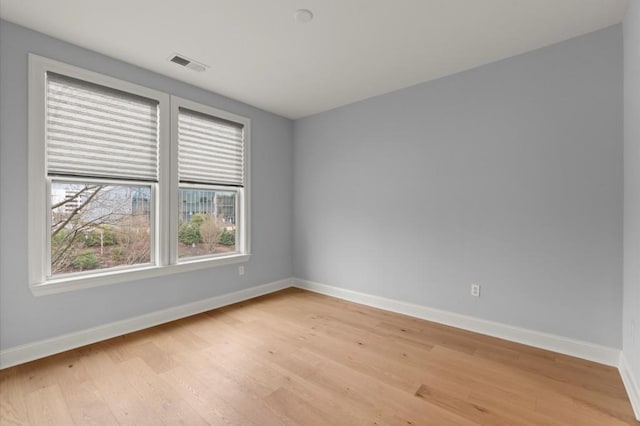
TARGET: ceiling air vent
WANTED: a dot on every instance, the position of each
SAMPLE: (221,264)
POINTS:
(188,63)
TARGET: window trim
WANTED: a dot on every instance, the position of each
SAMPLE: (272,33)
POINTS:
(165,210)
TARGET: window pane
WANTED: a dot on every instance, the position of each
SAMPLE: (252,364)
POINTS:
(99,226)
(207,222)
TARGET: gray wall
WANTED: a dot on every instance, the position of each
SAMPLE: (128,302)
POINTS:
(631,342)
(25,318)
(508,175)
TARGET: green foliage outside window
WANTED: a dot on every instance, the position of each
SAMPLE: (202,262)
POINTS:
(227,238)
(189,233)
(86,260)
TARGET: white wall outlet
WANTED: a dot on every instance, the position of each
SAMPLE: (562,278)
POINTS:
(475,290)
(241,270)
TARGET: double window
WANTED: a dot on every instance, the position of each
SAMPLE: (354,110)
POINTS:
(126,182)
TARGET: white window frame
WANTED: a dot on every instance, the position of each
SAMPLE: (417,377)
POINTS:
(164,214)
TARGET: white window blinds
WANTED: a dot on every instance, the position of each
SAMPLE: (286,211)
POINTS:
(95,131)
(210,149)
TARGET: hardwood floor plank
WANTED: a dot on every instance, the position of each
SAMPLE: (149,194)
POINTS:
(390,405)
(126,403)
(159,396)
(238,393)
(13,410)
(84,401)
(46,406)
(199,395)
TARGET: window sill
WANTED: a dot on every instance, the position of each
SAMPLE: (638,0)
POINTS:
(61,285)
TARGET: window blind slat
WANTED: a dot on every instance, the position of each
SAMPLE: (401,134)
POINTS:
(96,131)
(206,162)
(189,128)
(210,150)
(196,149)
(230,175)
(86,90)
(58,130)
(209,162)
(100,158)
(86,115)
(219,146)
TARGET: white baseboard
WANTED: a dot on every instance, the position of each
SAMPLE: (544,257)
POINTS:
(32,351)
(585,350)
(630,383)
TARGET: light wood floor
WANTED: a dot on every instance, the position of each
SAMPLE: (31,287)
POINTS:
(296,357)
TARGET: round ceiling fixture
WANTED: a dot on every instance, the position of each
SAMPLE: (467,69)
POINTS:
(303,16)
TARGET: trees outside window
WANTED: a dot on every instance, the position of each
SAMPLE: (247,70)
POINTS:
(95,226)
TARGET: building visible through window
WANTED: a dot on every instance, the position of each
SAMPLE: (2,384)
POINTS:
(214,203)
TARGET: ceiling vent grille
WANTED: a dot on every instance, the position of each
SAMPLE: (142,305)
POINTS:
(187,63)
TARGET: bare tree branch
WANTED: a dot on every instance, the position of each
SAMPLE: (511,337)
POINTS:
(83,213)
(59,253)
(75,211)
(77,194)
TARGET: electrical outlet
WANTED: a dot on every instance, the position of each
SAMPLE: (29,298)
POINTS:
(241,270)
(475,290)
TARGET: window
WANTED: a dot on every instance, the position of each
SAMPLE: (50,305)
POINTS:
(96,138)
(210,181)
(126,182)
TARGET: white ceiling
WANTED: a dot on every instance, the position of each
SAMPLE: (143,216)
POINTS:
(351,50)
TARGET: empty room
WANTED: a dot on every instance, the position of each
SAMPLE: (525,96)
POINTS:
(298,212)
